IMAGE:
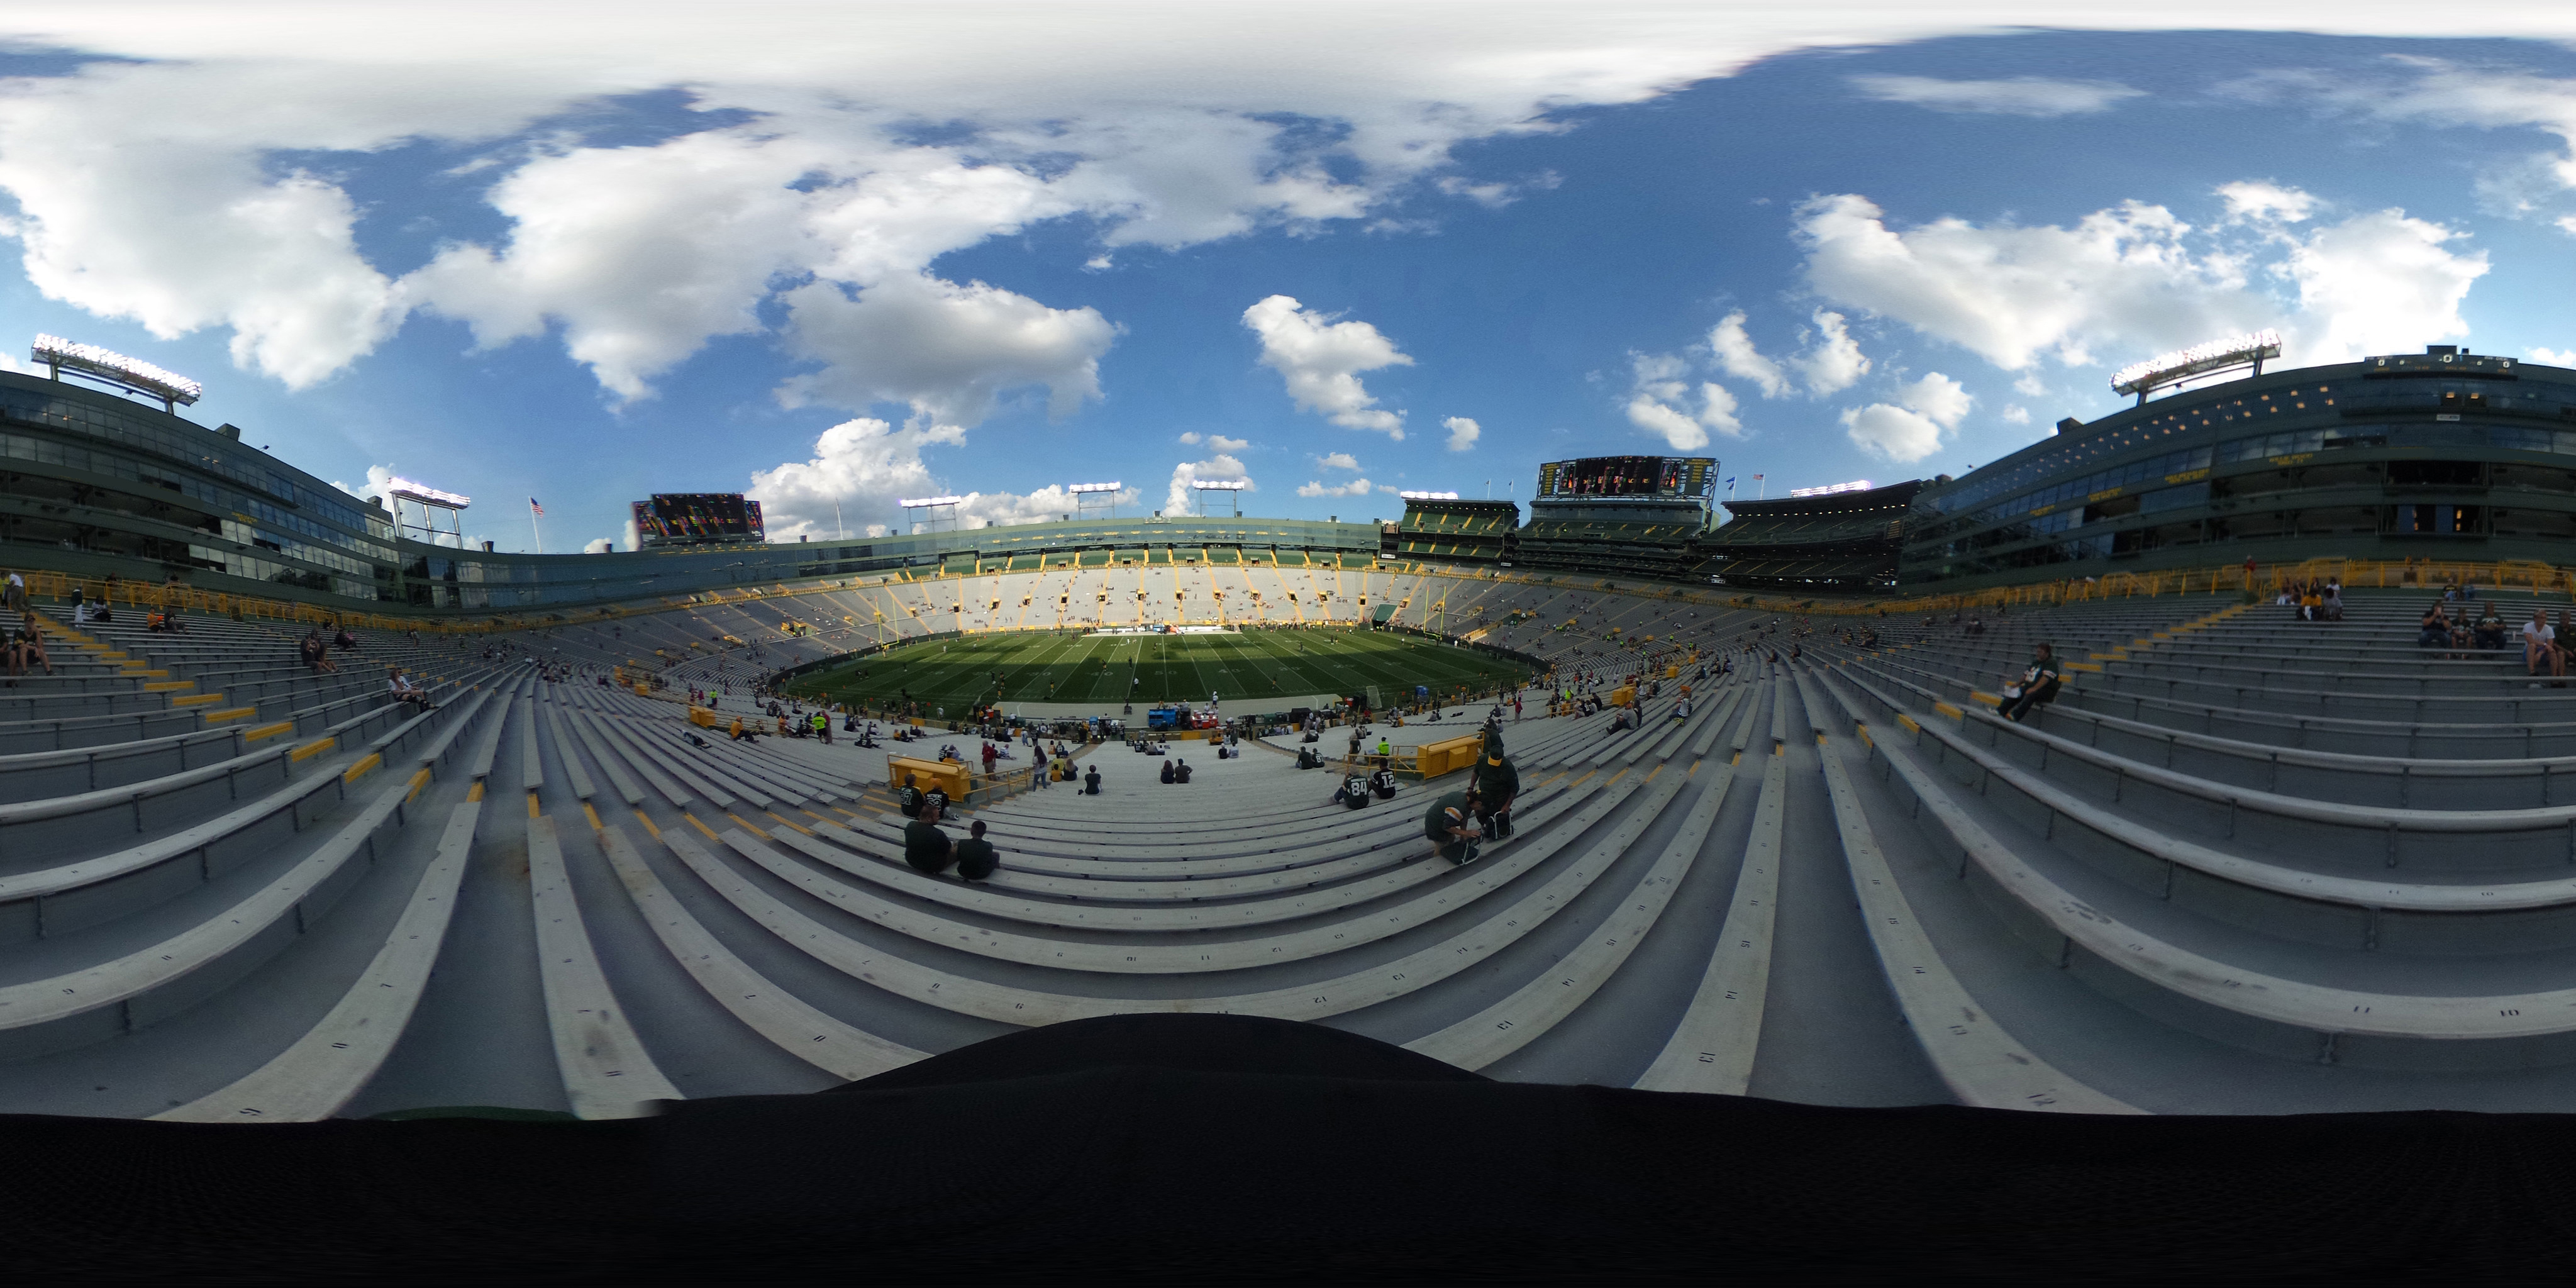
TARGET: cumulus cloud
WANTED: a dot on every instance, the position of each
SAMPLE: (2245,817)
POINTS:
(1463,433)
(946,350)
(598,546)
(1182,496)
(1356,487)
(1338,461)
(2134,279)
(2019,96)
(379,483)
(1660,397)
(865,465)
(1831,363)
(1911,429)
(2262,199)
(1322,359)
(2015,414)
(2553,357)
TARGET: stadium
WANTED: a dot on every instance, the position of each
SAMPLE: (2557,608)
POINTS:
(1804,838)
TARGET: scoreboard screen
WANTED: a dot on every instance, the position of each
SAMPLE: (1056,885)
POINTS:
(690,518)
(1645,477)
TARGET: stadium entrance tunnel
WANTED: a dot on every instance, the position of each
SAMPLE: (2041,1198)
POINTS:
(1230,1148)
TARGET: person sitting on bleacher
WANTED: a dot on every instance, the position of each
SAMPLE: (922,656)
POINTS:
(1167,774)
(315,653)
(1382,779)
(2540,648)
(1091,781)
(2038,684)
(2490,630)
(403,690)
(1353,793)
(1180,770)
(2433,629)
(1450,825)
(926,848)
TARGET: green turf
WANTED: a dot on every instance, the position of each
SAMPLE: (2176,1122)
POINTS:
(1108,670)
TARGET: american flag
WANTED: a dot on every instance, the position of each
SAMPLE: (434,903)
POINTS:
(541,510)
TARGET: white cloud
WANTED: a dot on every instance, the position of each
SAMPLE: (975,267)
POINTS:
(866,465)
(1322,359)
(2019,96)
(2553,357)
(1463,433)
(2016,415)
(1182,497)
(1891,432)
(379,483)
(1737,357)
(2133,279)
(1224,444)
(1912,429)
(1831,363)
(947,351)
(2030,384)
(1190,436)
(1936,398)
(1356,487)
(2379,283)
(1338,461)
(598,546)
(2262,199)
(1659,402)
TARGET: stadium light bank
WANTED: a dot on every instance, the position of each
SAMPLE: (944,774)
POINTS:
(1428,496)
(2173,368)
(1831,489)
(174,390)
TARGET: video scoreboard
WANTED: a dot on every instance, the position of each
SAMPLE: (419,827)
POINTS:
(697,519)
(1649,478)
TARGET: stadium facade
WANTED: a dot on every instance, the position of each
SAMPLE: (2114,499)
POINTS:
(2444,455)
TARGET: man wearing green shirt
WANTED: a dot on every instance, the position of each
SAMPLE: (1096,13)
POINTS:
(1450,825)
(925,847)
(2038,684)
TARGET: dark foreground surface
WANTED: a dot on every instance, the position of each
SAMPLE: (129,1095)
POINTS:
(1192,1148)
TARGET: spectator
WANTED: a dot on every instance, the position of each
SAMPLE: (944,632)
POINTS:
(2490,630)
(403,690)
(976,857)
(2038,684)
(926,848)
(907,798)
(2433,629)
(1353,793)
(1382,781)
(316,654)
(2540,649)
(1167,772)
(1091,781)
(1450,825)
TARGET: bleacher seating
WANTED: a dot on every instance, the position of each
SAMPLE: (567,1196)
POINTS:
(2241,863)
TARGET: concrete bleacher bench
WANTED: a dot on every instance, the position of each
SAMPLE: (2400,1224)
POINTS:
(1841,878)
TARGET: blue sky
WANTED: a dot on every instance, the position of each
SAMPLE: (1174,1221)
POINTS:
(1336,249)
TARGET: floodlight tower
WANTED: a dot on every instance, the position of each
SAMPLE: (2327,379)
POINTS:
(931,514)
(1232,488)
(1095,500)
(432,507)
(107,366)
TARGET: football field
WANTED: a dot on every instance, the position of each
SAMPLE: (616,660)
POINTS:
(1249,667)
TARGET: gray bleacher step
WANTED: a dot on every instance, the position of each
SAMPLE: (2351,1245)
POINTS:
(606,1071)
(1982,1064)
(327,1067)
(1712,1048)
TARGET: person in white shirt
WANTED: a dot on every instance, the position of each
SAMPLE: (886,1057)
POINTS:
(403,690)
(2540,648)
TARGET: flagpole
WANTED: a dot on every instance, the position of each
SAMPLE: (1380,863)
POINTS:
(532,528)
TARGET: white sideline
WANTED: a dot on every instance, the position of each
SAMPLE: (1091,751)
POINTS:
(606,1071)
